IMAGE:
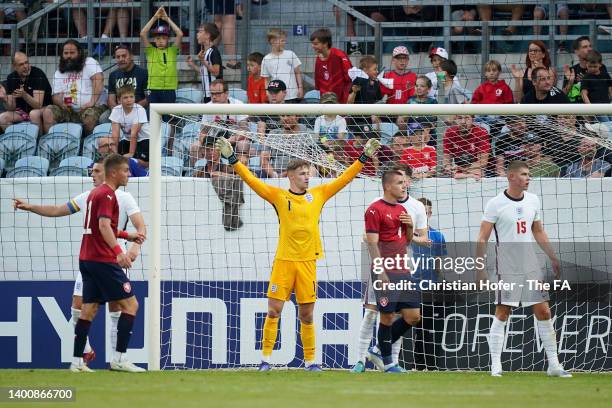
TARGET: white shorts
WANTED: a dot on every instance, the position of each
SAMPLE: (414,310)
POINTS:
(521,295)
(78,283)
(369,297)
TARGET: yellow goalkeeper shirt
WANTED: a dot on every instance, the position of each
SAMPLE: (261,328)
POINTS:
(298,214)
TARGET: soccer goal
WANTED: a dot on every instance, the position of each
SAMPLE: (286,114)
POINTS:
(212,240)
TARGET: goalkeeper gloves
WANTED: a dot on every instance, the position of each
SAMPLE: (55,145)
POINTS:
(369,150)
(224,147)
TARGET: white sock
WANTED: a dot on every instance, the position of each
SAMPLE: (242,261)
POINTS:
(308,363)
(366,332)
(395,350)
(114,316)
(118,357)
(549,340)
(78,361)
(76,314)
(496,341)
(104,36)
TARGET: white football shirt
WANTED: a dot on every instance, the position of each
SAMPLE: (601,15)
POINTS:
(77,85)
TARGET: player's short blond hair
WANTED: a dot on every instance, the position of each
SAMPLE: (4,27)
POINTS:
(275,33)
(517,165)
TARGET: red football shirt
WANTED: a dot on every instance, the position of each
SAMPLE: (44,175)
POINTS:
(420,161)
(256,90)
(382,218)
(403,87)
(475,143)
(497,93)
(101,203)
(331,75)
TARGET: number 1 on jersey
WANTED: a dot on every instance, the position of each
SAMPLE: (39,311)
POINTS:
(87,230)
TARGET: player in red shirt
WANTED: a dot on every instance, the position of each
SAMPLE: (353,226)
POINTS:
(403,79)
(389,230)
(101,261)
(493,90)
(464,139)
(419,156)
(331,67)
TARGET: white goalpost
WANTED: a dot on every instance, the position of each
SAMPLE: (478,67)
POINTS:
(217,275)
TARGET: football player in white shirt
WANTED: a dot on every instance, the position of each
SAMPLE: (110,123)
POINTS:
(514,214)
(128,208)
(416,211)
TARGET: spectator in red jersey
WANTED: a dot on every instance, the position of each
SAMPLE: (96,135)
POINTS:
(419,156)
(403,79)
(462,140)
(256,84)
(331,66)
(493,90)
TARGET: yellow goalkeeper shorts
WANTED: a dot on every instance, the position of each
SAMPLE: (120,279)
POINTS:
(288,276)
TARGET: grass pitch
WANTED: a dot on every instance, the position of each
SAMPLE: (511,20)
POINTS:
(337,389)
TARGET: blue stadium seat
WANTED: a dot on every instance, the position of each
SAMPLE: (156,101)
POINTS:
(103,128)
(73,129)
(171,166)
(190,130)
(240,94)
(26,128)
(62,141)
(387,131)
(30,166)
(14,146)
(73,166)
(189,95)
(313,94)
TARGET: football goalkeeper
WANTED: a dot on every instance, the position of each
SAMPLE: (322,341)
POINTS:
(299,244)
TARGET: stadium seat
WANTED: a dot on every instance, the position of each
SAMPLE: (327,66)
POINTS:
(62,141)
(189,95)
(171,166)
(73,129)
(14,146)
(103,128)
(26,128)
(73,166)
(190,130)
(1,167)
(313,94)
(387,131)
(240,94)
(30,166)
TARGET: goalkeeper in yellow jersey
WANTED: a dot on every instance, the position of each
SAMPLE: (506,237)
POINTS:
(299,244)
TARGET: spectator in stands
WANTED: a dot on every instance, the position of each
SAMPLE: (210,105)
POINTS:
(274,162)
(331,66)
(422,89)
(589,165)
(104,146)
(129,123)
(452,91)
(561,144)
(366,88)
(419,156)
(537,57)
(465,13)
(139,164)
(276,92)
(127,73)
(13,10)
(493,90)
(399,143)
(466,149)
(403,79)
(540,12)
(437,55)
(211,65)
(115,16)
(572,80)
(539,165)
(28,90)
(596,83)
(224,12)
(544,91)
(354,147)
(485,11)
(256,84)
(162,62)
(509,145)
(284,65)
(214,126)
(78,90)
(330,130)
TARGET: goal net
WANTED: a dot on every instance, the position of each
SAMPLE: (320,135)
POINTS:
(218,238)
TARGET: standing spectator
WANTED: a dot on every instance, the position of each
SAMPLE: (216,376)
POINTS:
(588,165)
(256,84)
(284,65)
(330,129)
(537,57)
(366,88)
(28,91)
(211,65)
(225,20)
(540,12)
(437,55)
(544,91)
(419,156)
(452,91)
(162,62)
(403,79)
(466,149)
(572,81)
(78,87)
(485,12)
(539,165)
(509,145)
(115,16)
(130,126)
(597,84)
(331,66)
(422,89)
(493,90)
(127,73)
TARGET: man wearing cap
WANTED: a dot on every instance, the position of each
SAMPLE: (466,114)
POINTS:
(436,56)
(403,78)
(276,91)
(127,73)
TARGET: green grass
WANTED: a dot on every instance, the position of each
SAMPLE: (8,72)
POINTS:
(337,389)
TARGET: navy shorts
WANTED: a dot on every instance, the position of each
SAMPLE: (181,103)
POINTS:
(104,282)
(162,96)
(391,301)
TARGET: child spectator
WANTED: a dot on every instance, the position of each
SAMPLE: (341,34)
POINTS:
(453,92)
(596,84)
(256,84)
(437,55)
(284,65)
(403,79)
(330,129)
(211,64)
(331,66)
(366,88)
(422,88)
(493,90)
(130,126)
(419,156)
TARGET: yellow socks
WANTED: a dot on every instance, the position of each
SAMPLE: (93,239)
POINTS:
(270,330)
(307,333)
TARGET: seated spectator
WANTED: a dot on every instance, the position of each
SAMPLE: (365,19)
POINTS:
(104,146)
(537,57)
(452,91)
(211,64)
(419,156)
(384,157)
(127,73)
(331,66)
(274,161)
(466,149)
(276,93)
(596,84)
(485,11)
(572,81)
(399,143)
(256,84)
(78,90)
(539,165)
(437,55)
(509,145)
(403,79)
(544,91)
(330,130)
(3,97)
(284,65)
(28,90)
(561,145)
(588,165)
(214,126)
(130,125)
(139,164)
(541,11)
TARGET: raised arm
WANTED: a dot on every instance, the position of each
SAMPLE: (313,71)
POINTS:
(144,33)
(43,210)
